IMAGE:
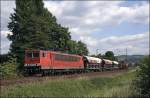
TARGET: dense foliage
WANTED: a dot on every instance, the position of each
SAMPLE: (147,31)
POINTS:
(3,58)
(34,27)
(8,68)
(77,48)
(143,78)
(110,55)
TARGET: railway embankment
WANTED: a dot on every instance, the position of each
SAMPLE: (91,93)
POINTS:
(38,78)
(86,85)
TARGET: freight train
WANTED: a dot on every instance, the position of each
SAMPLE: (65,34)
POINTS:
(44,62)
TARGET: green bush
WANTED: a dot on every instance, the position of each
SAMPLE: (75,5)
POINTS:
(143,78)
(8,69)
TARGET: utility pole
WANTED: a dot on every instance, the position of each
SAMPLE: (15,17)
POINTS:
(117,54)
(97,51)
(126,54)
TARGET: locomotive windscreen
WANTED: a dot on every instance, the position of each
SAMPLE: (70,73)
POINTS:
(32,54)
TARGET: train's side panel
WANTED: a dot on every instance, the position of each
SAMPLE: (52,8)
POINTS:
(58,64)
(48,61)
(45,60)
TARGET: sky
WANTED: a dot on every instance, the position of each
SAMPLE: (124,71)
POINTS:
(101,25)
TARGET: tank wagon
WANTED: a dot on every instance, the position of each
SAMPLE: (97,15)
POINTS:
(43,62)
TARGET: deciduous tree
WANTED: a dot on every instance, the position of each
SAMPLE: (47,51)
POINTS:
(109,55)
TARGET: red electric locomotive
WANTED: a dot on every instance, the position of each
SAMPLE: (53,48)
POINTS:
(37,61)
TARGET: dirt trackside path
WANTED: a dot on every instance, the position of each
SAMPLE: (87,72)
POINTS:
(45,78)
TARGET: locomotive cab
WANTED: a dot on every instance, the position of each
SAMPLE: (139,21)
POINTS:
(32,58)
(32,61)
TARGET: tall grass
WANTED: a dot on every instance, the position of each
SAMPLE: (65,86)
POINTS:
(81,87)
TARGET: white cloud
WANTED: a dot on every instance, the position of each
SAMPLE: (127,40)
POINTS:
(85,17)
(5,43)
(96,14)
(6,9)
(138,43)
(5,33)
(127,38)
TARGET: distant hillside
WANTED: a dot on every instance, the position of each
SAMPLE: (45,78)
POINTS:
(131,58)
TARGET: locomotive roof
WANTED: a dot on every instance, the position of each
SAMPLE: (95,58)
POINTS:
(64,53)
(56,52)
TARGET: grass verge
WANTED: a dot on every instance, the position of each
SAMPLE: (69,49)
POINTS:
(118,86)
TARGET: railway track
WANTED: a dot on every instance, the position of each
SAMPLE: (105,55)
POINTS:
(34,78)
